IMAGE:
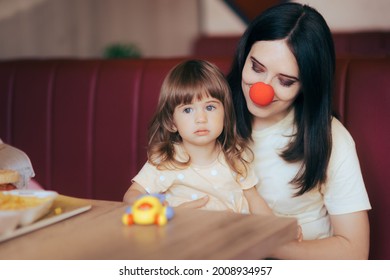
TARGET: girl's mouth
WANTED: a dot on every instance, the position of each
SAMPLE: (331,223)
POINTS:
(202,132)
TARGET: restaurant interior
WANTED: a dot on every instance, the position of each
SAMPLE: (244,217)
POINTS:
(79,83)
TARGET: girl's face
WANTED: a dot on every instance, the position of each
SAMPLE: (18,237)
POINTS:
(199,123)
(273,63)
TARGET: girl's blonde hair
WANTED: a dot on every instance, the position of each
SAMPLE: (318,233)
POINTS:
(188,81)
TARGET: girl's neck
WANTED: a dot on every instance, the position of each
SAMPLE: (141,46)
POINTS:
(203,155)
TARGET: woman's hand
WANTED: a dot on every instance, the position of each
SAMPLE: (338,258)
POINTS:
(195,204)
(350,241)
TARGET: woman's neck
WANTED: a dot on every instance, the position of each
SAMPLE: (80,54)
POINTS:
(261,123)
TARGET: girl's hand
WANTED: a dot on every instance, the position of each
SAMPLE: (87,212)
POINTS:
(195,204)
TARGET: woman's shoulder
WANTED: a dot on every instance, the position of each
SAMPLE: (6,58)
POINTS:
(343,145)
(340,134)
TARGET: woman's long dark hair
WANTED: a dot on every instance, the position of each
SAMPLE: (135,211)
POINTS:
(310,40)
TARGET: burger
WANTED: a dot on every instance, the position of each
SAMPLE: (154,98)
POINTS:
(8,179)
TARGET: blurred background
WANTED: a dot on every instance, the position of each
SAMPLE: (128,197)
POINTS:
(151,28)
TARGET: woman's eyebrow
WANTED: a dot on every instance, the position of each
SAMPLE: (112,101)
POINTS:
(281,74)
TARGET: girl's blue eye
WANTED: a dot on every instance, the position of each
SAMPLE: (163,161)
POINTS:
(187,110)
(210,107)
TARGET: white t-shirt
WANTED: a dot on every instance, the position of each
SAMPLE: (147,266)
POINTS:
(215,180)
(344,191)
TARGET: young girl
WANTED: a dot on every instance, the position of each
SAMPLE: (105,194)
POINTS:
(194,150)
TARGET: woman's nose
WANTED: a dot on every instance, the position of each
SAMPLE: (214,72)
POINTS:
(267,80)
(261,93)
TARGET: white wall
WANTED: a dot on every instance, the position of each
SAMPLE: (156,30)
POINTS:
(83,28)
(218,19)
(164,28)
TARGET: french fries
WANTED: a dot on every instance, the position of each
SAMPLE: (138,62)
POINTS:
(16,202)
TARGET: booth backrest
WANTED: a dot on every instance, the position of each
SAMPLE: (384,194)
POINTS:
(366,115)
(373,43)
(363,43)
(84,123)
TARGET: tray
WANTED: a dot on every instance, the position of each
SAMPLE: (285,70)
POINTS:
(62,208)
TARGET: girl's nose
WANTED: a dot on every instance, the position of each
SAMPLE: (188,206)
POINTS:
(200,117)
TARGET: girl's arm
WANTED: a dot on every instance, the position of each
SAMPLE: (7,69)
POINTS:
(256,203)
(136,190)
(133,193)
(195,204)
(350,241)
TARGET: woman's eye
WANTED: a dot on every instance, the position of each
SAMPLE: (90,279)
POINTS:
(257,69)
(286,83)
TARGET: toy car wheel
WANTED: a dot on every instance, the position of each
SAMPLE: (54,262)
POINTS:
(127,219)
(169,212)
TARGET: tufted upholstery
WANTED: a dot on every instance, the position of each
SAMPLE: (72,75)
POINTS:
(367,116)
(84,123)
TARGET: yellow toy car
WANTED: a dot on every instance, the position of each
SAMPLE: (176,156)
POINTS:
(147,210)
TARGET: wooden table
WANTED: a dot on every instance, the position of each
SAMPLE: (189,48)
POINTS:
(192,234)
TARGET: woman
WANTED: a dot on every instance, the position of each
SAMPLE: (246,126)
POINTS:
(305,159)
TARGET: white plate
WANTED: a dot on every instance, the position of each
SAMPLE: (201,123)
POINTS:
(10,219)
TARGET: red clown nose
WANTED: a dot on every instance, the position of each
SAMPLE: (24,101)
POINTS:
(261,94)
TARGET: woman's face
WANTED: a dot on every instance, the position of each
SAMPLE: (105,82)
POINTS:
(273,63)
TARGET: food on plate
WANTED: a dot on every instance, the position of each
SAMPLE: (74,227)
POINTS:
(23,207)
(8,178)
(17,202)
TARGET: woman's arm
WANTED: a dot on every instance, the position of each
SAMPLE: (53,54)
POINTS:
(133,193)
(350,241)
(256,203)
